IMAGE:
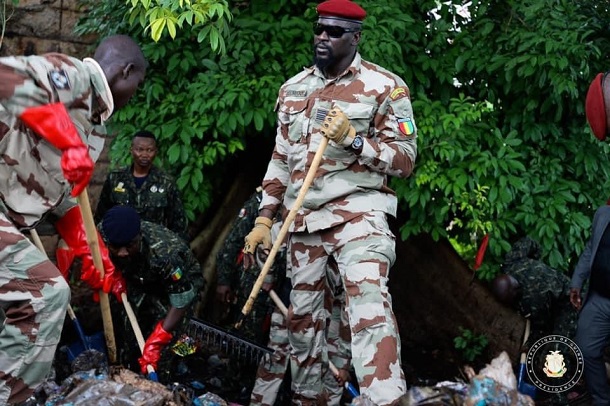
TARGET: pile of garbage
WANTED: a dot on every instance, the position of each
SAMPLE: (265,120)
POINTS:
(93,382)
(207,374)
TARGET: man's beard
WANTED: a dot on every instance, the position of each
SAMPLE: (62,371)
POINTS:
(323,62)
(129,263)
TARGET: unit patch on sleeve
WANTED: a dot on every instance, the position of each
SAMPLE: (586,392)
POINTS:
(406,126)
(399,93)
(60,80)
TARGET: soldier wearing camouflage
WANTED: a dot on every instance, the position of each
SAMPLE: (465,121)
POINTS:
(52,111)
(544,293)
(156,199)
(164,279)
(365,111)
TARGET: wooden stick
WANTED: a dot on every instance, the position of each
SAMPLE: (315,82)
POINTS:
(137,331)
(91,232)
(311,173)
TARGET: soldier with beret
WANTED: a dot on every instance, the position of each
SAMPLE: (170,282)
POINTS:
(52,113)
(365,112)
(163,279)
(145,187)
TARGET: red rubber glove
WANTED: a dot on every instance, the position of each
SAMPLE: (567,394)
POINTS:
(155,343)
(53,123)
(71,228)
(64,257)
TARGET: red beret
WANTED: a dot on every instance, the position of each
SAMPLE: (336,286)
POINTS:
(342,9)
(595,108)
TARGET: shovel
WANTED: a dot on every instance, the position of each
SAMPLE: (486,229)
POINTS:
(88,342)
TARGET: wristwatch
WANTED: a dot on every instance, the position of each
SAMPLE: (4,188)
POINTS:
(357,143)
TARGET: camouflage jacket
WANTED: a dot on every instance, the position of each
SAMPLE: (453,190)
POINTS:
(157,200)
(32,182)
(378,105)
(544,292)
(167,269)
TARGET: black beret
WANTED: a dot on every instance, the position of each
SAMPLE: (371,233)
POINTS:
(120,225)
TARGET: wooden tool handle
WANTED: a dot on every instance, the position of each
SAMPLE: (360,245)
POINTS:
(92,241)
(136,329)
(311,173)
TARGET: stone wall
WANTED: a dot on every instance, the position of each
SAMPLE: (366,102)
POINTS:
(39,26)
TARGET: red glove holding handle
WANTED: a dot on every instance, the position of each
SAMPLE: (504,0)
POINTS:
(72,229)
(53,123)
(155,343)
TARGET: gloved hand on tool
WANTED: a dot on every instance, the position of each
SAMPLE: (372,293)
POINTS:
(72,229)
(53,123)
(260,234)
(337,128)
(153,346)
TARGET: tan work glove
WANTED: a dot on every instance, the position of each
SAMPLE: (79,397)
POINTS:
(336,127)
(260,234)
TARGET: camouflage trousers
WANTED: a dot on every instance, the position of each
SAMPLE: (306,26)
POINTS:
(363,249)
(272,368)
(33,298)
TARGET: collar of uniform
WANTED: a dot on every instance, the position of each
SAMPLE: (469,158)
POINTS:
(101,87)
(353,68)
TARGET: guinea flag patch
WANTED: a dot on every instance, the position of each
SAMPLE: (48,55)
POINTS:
(406,126)
(177,274)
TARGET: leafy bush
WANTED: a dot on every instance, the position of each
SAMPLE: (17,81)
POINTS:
(497,91)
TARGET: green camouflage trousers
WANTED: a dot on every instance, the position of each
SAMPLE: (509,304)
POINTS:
(272,368)
(363,249)
(34,297)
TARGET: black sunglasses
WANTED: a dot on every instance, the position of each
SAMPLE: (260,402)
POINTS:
(333,31)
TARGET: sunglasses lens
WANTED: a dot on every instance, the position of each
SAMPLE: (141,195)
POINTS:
(331,30)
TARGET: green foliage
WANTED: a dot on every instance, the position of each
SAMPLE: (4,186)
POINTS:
(505,148)
(470,344)
(207,18)
(498,93)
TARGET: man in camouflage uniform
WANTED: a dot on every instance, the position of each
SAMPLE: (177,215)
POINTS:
(143,186)
(539,292)
(163,278)
(234,283)
(52,111)
(365,112)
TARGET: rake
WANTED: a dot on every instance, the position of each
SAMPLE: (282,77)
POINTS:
(226,341)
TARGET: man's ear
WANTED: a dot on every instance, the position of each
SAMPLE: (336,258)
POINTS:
(127,70)
(356,38)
